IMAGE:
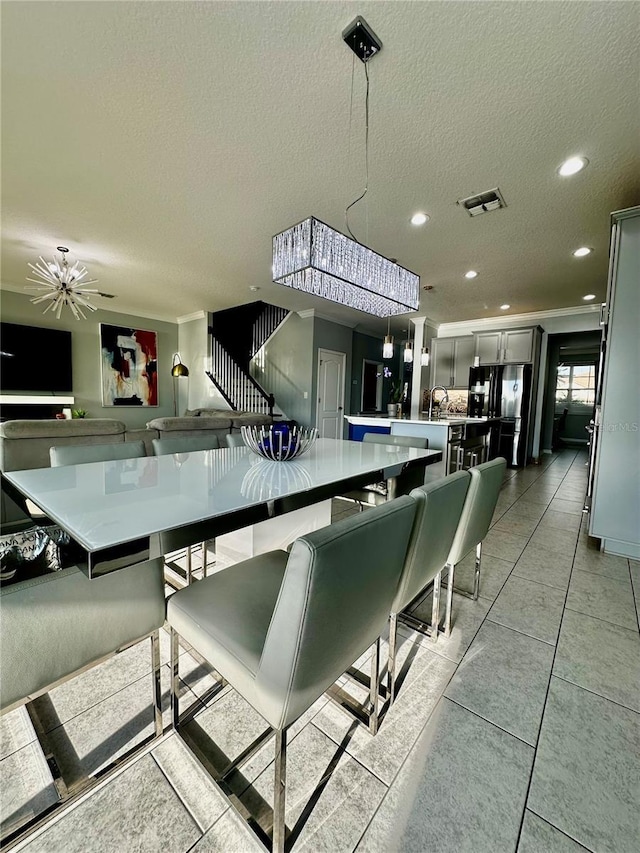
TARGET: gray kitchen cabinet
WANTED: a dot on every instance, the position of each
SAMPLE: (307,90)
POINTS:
(512,346)
(451,359)
(517,346)
(488,346)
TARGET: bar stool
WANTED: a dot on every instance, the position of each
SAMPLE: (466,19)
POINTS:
(281,628)
(479,506)
(438,510)
(411,478)
(59,624)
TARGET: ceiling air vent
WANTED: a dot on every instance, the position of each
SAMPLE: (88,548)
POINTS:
(483,202)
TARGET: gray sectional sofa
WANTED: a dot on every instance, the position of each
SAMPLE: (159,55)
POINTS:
(25,444)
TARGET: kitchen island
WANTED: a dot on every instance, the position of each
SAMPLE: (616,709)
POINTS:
(464,441)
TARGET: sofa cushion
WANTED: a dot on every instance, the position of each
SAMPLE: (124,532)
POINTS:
(214,413)
(61,428)
(185,424)
(211,413)
(240,419)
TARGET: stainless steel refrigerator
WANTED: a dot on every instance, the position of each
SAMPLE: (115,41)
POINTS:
(503,391)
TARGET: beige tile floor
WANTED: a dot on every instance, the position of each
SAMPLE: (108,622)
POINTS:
(517,733)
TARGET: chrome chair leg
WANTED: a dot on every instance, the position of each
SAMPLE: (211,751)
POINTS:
(175,687)
(435,609)
(204,559)
(279,792)
(447,616)
(188,570)
(374,687)
(391,665)
(155,674)
(476,577)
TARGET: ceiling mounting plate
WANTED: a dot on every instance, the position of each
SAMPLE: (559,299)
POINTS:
(361,39)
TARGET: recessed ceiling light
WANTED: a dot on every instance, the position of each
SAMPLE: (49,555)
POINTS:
(419,218)
(582,251)
(504,307)
(589,297)
(253,288)
(470,274)
(572,166)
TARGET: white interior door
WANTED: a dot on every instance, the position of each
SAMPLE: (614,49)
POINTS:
(331,368)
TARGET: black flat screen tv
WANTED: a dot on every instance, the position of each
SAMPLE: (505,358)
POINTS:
(34,359)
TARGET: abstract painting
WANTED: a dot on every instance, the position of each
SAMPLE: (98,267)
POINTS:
(129,360)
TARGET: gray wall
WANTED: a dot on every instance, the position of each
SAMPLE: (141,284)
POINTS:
(196,391)
(332,336)
(87,389)
(288,366)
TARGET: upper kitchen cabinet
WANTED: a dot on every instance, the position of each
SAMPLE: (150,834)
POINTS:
(451,359)
(512,346)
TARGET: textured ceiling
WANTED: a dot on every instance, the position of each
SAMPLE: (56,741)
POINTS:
(165,143)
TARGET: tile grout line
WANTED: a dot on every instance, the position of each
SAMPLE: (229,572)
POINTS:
(546,698)
(178,797)
(442,696)
(575,840)
(594,693)
(518,631)
(491,722)
(633,592)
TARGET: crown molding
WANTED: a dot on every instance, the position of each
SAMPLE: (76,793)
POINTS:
(532,318)
(423,321)
(314,314)
(187,318)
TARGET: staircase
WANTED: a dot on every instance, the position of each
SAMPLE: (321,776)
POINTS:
(236,335)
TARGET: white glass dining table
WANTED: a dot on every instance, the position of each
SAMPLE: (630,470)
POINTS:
(111,509)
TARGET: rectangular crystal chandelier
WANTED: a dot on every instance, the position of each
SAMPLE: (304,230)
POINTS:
(316,259)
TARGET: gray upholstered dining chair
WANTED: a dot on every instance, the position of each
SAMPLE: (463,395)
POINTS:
(59,624)
(77,454)
(479,506)
(186,444)
(234,439)
(439,507)
(282,627)
(377,493)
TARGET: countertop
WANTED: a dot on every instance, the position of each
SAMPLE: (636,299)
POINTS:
(383,420)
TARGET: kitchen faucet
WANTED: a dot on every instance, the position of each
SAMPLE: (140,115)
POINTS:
(445,399)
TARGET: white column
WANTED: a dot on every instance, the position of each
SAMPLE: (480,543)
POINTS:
(420,374)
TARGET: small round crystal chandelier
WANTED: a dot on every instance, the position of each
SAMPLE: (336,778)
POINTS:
(61,284)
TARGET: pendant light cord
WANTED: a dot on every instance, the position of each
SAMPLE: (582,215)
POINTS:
(366,152)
